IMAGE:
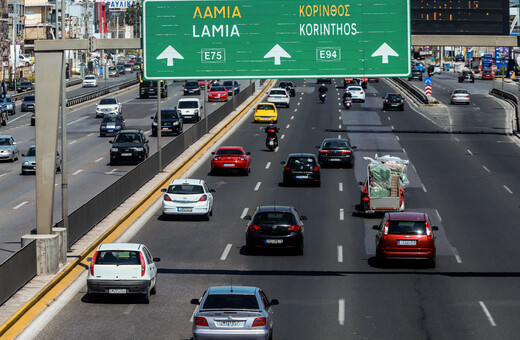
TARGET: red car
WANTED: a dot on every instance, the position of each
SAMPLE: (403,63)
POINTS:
(488,74)
(407,235)
(232,158)
(218,93)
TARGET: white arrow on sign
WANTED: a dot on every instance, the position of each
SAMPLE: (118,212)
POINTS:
(277,52)
(170,53)
(385,51)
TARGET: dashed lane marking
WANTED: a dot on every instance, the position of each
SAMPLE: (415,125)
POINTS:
(244,212)
(20,205)
(340,253)
(268,165)
(258,186)
(485,168)
(226,252)
(341,312)
(77,172)
(340,186)
(98,160)
(507,189)
(341,214)
(488,314)
(282,136)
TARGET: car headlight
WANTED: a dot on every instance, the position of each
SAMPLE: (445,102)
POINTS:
(114,149)
(139,149)
(26,163)
(175,123)
(4,151)
(154,124)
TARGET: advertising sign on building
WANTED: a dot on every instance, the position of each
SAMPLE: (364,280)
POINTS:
(120,4)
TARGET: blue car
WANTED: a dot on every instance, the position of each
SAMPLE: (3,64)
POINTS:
(111,125)
(228,84)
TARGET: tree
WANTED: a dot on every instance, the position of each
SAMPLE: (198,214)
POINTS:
(133,16)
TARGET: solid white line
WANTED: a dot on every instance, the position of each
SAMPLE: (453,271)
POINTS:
(98,160)
(282,136)
(457,257)
(268,165)
(90,134)
(424,188)
(397,137)
(128,310)
(340,186)
(74,141)
(258,186)
(340,253)
(20,205)
(486,168)
(77,172)
(244,212)
(77,120)
(508,190)
(226,252)
(341,214)
(488,314)
(341,311)
(288,126)
(292,117)
(469,151)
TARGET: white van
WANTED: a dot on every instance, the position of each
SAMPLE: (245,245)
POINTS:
(190,109)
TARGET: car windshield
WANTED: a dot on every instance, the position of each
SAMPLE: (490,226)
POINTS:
(118,257)
(110,118)
(128,65)
(168,114)
(31,152)
(128,138)
(407,228)
(265,107)
(188,104)
(230,301)
(304,160)
(25,83)
(5,141)
(186,189)
(108,101)
(90,77)
(218,88)
(230,152)
(112,68)
(274,217)
(28,99)
(335,144)
(278,92)
(192,84)
(8,99)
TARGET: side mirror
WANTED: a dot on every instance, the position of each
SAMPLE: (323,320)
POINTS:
(110,141)
(248,153)
(195,302)
(274,302)
(212,153)
(156,259)
(282,162)
(23,155)
(146,141)
(354,147)
(303,218)
(151,117)
(212,190)
(247,217)
(375,227)
(435,228)
(360,183)
(163,190)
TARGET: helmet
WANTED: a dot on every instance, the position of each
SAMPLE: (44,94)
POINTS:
(322,84)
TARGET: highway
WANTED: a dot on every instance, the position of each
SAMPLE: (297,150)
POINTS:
(462,173)
(89,171)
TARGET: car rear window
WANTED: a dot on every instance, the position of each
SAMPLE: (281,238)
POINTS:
(460,91)
(285,84)
(230,301)
(168,114)
(265,107)
(335,144)
(278,92)
(192,83)
(394,97)
(301,161)
(274,217)
(119,257)
(186,189)
(354,88)
(149,83)
(230,152)
(110,118)
(407,228)
(188,104)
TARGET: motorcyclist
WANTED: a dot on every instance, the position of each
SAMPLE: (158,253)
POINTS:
(271,130)
(347,94)
(323,89)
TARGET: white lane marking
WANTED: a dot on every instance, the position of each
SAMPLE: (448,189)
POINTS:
(90,134)
(226,252)
(469,151)
(77,120)
(339,104)
(397,137)
(2,175)
(299,103)
(258,186)
(74,141)
(486,168)
(424,188)
(77,172)
(15,119)
(339,126)
(276,149)
(388,118)
(392,128)
(340,253)
(282,136)
(438,215)
(288,126)
(341,311)
(295,110)
(508,190)
(244,212)
(301,97)
(111,171)
(56,184)
(339,136)
(21,205)
(456,139)
(404,151)
(268,165)
(340,186)
(488,314)
(128,310)
(340,117)
(148,132)
(457,257)
(98,160)
(292,117)
(341,214)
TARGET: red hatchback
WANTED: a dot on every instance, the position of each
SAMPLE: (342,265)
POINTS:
(231,158)
(407,235)
(488,74)
(217,93)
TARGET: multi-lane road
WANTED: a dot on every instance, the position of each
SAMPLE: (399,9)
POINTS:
(462,172)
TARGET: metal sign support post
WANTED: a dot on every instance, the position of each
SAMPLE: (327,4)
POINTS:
(159,125)
(63,102)
(233,91)
(206,101)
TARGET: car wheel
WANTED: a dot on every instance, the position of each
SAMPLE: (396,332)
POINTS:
(58,168)
(154,134)
(380,261)
(250,249)
(299,249)
(247,171)
(318,184)
(288,105)
(146,297)
(433,263)
(153,291)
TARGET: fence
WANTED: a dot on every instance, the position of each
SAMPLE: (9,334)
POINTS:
(17,270)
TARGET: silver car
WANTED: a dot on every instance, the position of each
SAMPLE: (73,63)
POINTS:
(8,149)
(459,96)
(233,312)
(29,161)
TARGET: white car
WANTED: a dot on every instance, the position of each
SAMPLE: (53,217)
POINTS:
(358,94)
(189,109)
(188,197)
(279,96)
(90,81)
(122,268)
(108,106)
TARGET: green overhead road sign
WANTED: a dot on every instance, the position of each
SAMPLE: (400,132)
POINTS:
(276,39)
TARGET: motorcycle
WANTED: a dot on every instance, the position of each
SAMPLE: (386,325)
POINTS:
(271,143)
(347,102)
(323,97)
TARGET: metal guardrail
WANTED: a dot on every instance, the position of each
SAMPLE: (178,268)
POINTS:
(17,270)
(101,92)
(512,99)
(414,91)
(19,96)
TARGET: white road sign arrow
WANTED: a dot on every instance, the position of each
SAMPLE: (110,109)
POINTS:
(385,51)
(277,52)
(170,53)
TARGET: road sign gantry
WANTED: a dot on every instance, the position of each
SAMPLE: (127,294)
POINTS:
(272,39)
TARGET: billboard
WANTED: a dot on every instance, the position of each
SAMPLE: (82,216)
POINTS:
(460,17)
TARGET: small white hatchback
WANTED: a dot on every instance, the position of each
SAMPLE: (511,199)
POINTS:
(188,197)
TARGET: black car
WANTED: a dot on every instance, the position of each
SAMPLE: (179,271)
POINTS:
(466,76)
(275,227)
(393,101)
(111,125)
(324,80)
(121,69)
(336,151)
(459,57)
(191,87)
(301,168)
(25,86)
(129,145)
(28,103)
(289,86)
(416,74)
(171,122)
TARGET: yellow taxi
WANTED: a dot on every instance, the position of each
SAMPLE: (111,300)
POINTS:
(266,112)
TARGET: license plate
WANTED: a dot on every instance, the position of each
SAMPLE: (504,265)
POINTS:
(110,130)
(185,209)
(395,104)
(229,164)
(274,241)
(230,323)
(126,154)
(335,159)
(117,291)
(407,242)
(302,176)
(165,129)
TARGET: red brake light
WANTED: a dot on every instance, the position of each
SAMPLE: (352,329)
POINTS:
(345,152)
(254,227)
(286,168)
(295,227)
(402,100)
(259,322)
(203,198)
(324,151)
(385,231)
(167,198)
(143,266)
(92,263)
(386,100)
(316,168)
(201,322)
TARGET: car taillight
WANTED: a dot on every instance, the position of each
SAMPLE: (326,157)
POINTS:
(143,266)
(316,168)
(295,227)
(254,227)
(203,198)
(287,168)
(361,92)
(385,230)
(386,100)
(428,231)
(167,198)
(402,100)
(259,322)
(467,96)
(286,96)
(324,151)
(201,322)
(92,263)
(345,152)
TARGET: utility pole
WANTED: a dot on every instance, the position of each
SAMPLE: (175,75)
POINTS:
(15,56)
